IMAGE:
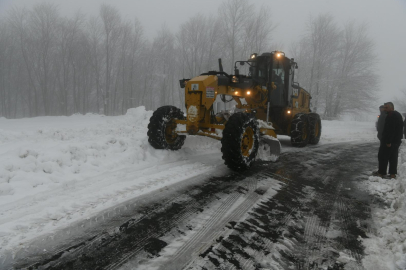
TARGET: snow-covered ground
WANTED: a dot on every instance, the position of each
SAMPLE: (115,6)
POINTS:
(58,170)
(55,171)
(387,249)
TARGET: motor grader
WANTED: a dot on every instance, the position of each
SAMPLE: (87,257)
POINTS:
(268,102)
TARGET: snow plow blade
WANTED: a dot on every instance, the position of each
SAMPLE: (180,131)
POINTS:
(269,148)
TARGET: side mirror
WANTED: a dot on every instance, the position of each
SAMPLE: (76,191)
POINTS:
(182,83)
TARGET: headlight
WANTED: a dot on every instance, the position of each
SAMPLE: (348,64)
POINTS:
(234,79)
(288,112)
(253,56)
(248,93)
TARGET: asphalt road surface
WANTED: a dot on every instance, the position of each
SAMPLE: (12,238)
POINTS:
(306,211)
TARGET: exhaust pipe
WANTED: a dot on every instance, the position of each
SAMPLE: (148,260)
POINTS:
(220,65)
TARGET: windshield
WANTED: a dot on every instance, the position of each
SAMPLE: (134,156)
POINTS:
(278,72)
(260,70)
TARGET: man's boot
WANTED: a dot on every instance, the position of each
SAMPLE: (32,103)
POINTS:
(377,174)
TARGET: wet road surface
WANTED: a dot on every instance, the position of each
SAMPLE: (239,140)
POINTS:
(304,212)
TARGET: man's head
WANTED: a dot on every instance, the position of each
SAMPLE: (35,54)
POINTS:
(388,106)
(381,108)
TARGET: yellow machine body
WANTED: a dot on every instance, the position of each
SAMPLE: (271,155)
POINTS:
(202,91)
(267,103)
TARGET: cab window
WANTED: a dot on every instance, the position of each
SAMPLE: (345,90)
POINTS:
(262,70)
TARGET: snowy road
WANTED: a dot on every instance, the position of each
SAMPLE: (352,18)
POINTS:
(85,189)
(304,212)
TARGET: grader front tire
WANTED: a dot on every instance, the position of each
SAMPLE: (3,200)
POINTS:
(240,141)
(162,126)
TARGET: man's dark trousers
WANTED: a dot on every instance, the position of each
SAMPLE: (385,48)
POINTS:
(388,155)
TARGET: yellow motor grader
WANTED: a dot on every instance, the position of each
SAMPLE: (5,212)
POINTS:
(267,103)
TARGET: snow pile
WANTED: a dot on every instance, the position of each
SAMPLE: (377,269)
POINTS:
(73,148)
(58,170)
(62,149)
(387,250)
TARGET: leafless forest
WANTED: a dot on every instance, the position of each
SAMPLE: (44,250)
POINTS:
(55,65)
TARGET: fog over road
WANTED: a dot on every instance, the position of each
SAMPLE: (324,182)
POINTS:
(306,211)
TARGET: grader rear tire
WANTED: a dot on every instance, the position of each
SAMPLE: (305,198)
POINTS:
(162,126)
(299,131)
(240,141)
(315,128)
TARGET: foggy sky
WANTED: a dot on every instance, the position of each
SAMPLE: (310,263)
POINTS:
(386,20)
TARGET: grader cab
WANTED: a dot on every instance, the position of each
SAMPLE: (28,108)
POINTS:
(268,102)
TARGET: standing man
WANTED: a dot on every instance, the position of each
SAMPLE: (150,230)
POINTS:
(379,127)
(404,126)
(391,139)
(381,122)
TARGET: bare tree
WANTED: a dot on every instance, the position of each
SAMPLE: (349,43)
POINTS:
(54,65)
(234,15)
(163,50)
(69,33)
(18,19)
(336,66)
(135,66)
(355,78)
(323,36)
(149,65)
(43,26)
(81,66)
(257,32)
(193,41)
(111,20)
(214,47)
(94,32)
(198,43)
(302,52)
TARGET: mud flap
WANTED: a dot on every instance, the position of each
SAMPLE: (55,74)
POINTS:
(269,148)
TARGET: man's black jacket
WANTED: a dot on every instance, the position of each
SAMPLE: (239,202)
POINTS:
(381,124)
(393,128)
(404,128)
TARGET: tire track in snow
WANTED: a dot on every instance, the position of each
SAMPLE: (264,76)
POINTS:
(112,234)
(320,230)
(238,201)
(226,252)
(214,227)
(107,221)
(317,225)
(350,227)
(207,234)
